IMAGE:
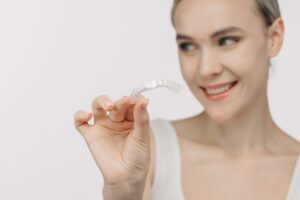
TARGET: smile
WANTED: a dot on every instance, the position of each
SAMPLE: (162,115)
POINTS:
(220,91)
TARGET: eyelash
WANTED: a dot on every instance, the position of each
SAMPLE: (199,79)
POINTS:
(182,45)
(235,39)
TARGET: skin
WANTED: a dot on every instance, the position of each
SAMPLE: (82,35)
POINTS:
(244,58)
(119,141)
(233,149)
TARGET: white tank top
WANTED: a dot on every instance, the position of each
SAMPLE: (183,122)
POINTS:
(167,179)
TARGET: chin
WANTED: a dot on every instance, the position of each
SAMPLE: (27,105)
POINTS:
(219,116)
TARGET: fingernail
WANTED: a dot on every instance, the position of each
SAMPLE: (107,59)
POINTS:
(147,102)
(144,106)
(89,115)
(124,98)
(134,100)
(108,104)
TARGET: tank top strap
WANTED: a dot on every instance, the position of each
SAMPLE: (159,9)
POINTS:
(167,177)
(294,190)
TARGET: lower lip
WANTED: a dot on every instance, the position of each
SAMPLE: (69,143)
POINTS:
(218,97)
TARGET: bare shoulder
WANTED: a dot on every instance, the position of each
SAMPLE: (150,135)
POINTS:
(289,144)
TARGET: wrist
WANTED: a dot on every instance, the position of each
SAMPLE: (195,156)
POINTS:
(127,190)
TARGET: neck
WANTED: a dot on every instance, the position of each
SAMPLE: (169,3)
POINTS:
(251,130)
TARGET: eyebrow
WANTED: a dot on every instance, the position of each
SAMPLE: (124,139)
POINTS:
(215,34)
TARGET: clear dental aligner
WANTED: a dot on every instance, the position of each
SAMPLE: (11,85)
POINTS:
(149,85)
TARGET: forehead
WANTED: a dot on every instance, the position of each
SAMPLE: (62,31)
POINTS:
(199,16)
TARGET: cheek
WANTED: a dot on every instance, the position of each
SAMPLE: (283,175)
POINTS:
(188,67)
(249,59)
(252,68)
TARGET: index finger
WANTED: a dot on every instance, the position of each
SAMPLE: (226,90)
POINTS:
(100,105)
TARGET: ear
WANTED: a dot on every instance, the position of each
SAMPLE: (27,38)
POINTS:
(275,37)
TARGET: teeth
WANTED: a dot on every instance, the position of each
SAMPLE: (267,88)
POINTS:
(219,90)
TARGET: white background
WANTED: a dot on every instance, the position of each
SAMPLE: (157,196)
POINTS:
(57,56)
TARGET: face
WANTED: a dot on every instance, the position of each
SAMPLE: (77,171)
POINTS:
(224,52)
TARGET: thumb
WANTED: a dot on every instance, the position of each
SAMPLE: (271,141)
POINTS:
(141,121)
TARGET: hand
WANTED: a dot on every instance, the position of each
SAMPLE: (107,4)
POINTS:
(119,139)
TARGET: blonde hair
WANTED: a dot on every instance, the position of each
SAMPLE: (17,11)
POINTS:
(269,10)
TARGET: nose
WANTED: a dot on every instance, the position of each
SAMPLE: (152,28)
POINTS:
(209,65)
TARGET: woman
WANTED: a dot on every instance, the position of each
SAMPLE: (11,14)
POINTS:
(233,150)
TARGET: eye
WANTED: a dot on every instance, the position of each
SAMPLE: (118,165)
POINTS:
(186,47)
(231,40)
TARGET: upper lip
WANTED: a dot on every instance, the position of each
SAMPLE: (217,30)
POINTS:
(217,85)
